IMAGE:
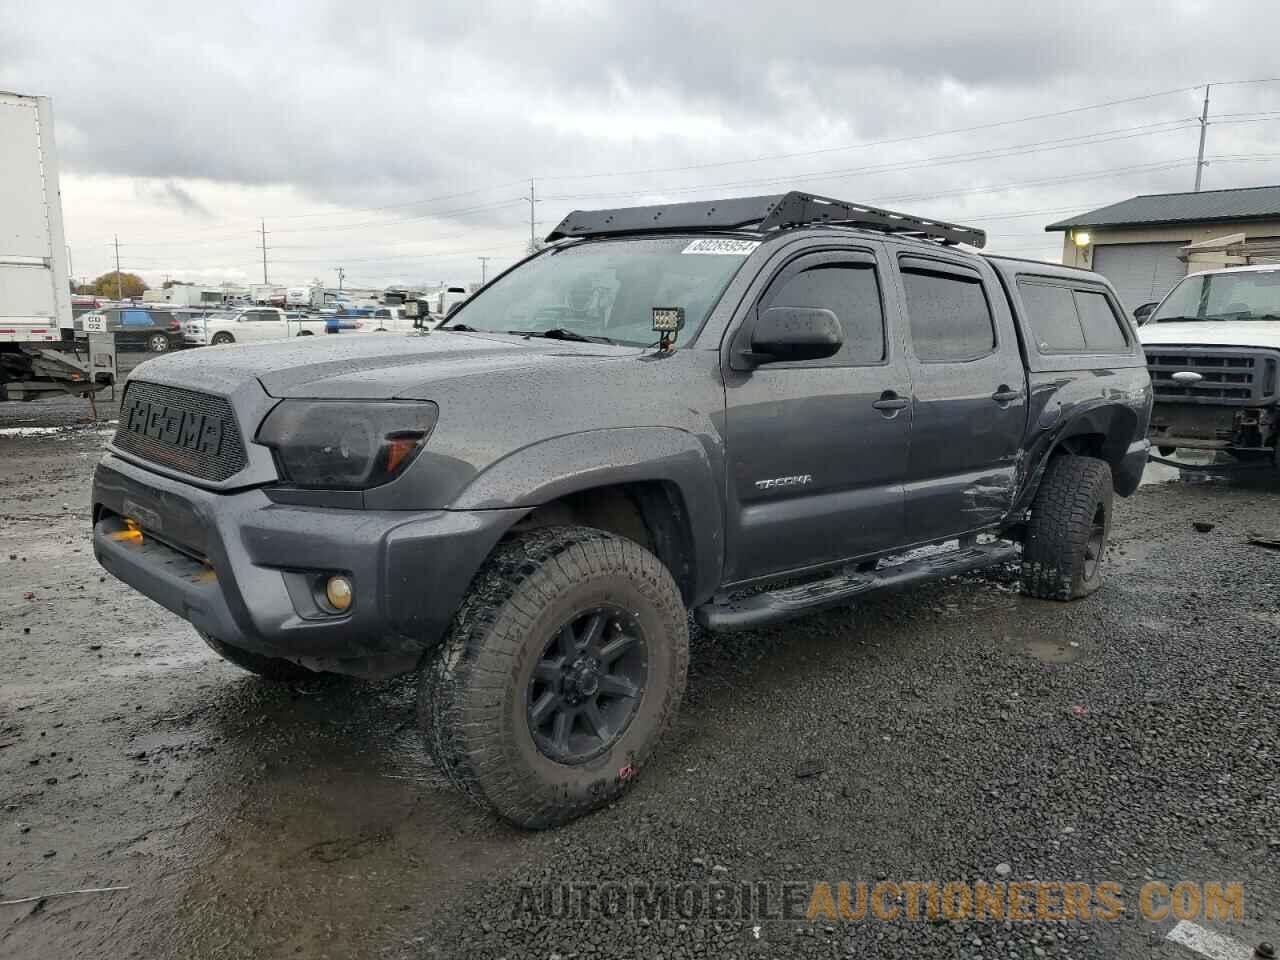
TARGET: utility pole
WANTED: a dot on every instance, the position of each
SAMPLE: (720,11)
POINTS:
(1204,128)
(533,222)
(119,279)
(263,231)
(341,273)
(484,268)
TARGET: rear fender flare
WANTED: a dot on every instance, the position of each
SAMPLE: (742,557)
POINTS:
(1118,424)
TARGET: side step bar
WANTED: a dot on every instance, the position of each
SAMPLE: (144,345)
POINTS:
(761,609)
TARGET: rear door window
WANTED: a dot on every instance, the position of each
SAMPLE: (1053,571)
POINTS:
(948,313)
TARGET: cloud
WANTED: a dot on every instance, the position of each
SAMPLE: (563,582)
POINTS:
(223,111)
(170,194)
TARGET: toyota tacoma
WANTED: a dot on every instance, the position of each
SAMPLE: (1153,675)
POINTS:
(744,410)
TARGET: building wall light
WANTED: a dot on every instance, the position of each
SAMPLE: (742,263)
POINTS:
(1081,238)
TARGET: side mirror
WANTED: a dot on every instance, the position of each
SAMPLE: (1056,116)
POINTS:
(1143,313)
(795,333)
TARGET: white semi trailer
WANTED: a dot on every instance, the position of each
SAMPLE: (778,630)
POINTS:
(38,353)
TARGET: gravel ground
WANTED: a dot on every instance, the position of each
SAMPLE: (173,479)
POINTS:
(955,732)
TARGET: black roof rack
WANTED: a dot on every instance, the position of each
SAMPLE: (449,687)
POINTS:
(761,214)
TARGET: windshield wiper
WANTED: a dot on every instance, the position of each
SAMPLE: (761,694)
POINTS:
(1174,319)
(458,326)
(559,333)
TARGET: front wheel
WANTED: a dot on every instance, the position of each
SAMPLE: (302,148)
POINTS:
(222,338)
(1067,534)
(305,333)
(564,667)
(158,343)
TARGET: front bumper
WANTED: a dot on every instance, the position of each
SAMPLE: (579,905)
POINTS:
(237,565)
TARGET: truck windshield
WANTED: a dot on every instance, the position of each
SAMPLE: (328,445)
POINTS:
(605,289)
(1230,295)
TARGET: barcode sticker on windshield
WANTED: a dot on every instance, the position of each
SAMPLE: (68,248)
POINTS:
(722,245)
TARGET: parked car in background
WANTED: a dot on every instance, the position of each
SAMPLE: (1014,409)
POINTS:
(138,328)
(252,326)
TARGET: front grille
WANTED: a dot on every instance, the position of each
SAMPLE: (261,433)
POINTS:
(1228,375)
(192,433)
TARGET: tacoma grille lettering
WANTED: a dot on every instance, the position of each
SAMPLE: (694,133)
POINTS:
(192,431)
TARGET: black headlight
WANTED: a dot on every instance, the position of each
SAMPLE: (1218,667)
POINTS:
(346,444)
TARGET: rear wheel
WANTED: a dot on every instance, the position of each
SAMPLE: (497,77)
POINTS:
(269,668)
(564,667)
(305,333)
(223,337)
(158,343)
(1067,535)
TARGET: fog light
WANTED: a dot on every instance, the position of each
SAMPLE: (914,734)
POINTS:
(337,590)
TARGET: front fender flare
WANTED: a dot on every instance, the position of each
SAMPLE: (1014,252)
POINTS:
(550,469)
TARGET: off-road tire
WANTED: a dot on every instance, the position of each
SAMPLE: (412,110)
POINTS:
(473,695)
(158,343)
(269,668)
(1071,507)
(222,337)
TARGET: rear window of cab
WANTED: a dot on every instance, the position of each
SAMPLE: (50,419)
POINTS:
(1067,318)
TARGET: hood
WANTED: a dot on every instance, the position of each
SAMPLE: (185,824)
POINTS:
(1213,333)
(367,366)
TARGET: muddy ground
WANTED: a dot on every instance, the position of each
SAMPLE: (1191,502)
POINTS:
(961,731)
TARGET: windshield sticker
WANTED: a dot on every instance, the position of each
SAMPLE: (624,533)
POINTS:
(722,245)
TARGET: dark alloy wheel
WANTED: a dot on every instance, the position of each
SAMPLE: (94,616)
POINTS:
(587,685)
(1096,544)
(563,669)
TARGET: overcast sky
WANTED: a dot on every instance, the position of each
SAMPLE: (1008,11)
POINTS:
(398,138)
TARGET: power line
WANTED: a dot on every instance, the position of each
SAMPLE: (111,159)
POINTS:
(230,238)
(1035,146)
(880,143)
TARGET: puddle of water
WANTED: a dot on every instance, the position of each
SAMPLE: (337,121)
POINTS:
(31,431)
(61,432)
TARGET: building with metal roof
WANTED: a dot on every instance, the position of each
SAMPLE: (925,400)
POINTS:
(1135,243)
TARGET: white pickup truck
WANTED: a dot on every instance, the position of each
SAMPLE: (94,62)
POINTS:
(254,325)
(1213,349)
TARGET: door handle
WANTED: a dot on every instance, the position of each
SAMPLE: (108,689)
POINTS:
(1005,395)
(890,403)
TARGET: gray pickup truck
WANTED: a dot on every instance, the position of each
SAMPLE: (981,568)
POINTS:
(747,409)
